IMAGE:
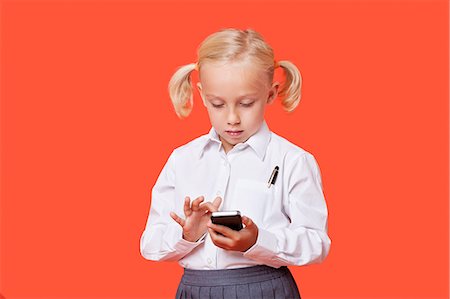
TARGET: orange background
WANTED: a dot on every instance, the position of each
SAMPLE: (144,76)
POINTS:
(87,125)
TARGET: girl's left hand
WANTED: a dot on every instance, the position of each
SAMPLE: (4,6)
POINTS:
(231,239)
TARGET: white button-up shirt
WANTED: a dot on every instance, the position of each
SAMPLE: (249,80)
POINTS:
(291,214)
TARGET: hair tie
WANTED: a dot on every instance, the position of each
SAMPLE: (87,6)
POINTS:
(196,66)
(275,64)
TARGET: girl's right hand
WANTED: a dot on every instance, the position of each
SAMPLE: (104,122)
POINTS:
(197,217)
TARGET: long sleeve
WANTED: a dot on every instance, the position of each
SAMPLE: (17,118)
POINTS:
(305,240)
(162,238)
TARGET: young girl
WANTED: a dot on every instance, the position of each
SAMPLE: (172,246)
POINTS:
(239,165)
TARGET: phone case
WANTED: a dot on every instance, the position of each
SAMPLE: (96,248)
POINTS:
(230,219)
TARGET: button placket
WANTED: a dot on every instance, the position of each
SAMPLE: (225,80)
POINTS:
(222,181)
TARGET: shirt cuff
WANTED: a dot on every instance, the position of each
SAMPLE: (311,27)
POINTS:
(186,246)
(265,247)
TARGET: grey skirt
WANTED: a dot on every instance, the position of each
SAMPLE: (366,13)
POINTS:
(251,282)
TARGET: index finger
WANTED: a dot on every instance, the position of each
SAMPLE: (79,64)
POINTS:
(196,203)
(208,206)
(187,206)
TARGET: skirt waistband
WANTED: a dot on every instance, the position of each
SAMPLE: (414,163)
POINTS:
(232,276)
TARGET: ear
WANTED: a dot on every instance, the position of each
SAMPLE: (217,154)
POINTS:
(273,92)
(199,87)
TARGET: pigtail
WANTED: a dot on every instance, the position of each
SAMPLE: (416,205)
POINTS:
(290,91)
(180,90)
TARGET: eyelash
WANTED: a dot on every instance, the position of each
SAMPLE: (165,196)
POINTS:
(246,105)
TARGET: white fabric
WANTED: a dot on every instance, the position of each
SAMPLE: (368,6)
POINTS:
(291,215)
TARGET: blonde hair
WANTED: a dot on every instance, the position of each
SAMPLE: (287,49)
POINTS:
(233,45)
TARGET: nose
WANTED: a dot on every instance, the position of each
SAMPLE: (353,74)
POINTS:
(233,117)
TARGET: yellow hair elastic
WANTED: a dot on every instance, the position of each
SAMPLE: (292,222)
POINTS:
(196,66)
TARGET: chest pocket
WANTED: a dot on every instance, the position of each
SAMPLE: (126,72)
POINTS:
(252,199)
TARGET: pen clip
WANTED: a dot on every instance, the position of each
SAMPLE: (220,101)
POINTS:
(273,177)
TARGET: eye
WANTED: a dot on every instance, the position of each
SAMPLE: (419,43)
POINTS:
(217,105)
(247,104)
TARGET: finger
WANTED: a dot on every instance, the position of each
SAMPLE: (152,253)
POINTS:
(219,240)
(246,221)
(207,206)
(250,226)
(211,207)
(187,206)
(217,201)
(178,219)
(196,203)
(224,230)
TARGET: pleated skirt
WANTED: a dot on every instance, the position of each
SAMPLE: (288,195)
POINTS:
(251,282)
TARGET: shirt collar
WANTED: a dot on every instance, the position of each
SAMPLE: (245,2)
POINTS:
(258,141)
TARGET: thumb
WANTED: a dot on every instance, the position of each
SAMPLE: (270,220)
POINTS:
(248,222)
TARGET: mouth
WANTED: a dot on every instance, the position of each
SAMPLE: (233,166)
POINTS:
(234,133)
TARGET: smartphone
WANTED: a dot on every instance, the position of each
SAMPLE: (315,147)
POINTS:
(232,219)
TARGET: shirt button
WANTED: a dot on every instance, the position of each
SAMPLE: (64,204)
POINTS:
(218,193)
(209,260)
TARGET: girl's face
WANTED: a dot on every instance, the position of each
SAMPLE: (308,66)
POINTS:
(235,95)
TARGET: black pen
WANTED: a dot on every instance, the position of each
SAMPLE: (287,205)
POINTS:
(273,177)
